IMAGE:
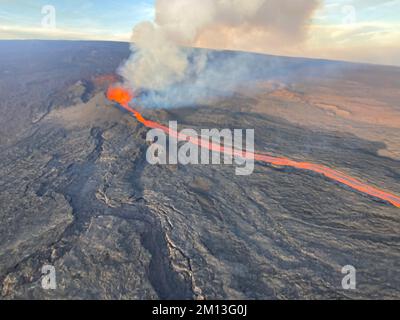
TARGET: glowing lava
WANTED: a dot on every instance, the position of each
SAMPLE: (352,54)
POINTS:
(123,97)
(120,95)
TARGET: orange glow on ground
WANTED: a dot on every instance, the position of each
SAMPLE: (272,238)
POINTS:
(123,97)
(105,79)
(120,95)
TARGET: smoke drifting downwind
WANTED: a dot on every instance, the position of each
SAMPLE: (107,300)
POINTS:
(164,65)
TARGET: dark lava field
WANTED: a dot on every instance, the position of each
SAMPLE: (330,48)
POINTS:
(77,193)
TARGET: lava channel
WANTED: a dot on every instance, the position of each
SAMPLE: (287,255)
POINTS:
(123,96)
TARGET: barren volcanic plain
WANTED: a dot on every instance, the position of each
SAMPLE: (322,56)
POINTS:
(76,191)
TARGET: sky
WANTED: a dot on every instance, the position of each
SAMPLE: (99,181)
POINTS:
(354,30)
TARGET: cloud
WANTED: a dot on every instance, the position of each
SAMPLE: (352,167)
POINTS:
(289,27)
(371,42)
(235,24)
(20,32)
(158,61)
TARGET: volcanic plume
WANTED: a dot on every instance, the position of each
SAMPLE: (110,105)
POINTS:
(123,97)
(164,64)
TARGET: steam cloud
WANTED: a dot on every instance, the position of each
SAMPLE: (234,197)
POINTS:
(169,72)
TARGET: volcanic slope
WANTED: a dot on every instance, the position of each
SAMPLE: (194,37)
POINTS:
(76,191)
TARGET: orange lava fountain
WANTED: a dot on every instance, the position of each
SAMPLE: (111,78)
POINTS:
(124,96)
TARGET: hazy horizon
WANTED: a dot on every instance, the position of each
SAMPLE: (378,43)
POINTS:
(347,30)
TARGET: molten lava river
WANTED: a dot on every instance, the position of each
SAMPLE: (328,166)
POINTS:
(124,97)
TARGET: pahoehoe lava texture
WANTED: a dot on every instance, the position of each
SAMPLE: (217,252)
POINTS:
(76,192)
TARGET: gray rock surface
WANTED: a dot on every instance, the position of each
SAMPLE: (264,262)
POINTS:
(77,193)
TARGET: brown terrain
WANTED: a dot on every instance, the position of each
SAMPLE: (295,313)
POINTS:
(363,103)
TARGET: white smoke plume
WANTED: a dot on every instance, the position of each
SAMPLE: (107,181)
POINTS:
(159,61)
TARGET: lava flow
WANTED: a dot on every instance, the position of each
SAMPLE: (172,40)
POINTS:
(123,97)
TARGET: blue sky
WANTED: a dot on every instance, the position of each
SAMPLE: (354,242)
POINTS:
(76,19)
(336,31)
(366,10)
